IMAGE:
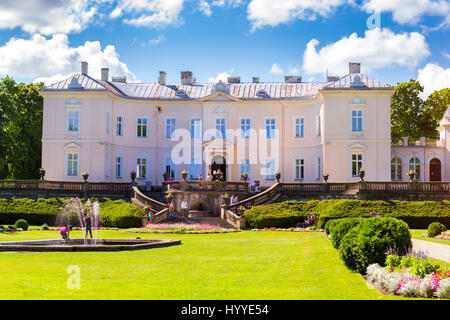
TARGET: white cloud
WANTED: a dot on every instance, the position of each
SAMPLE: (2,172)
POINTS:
(276,69)
(151,13)
(48,16)
(222,76)
(379,48)
(433,77)
(410,11)
(272,13)
(51,60)
(155,41)
(205,7)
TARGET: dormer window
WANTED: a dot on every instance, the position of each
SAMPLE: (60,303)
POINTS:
(181,94)
(262,94)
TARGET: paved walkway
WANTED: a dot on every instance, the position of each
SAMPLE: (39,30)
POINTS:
(434,250)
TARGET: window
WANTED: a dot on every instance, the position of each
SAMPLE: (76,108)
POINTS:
(318,126)
(170,169)
(396,169)
(270,128)
(73,120)
(299,169)
(141,165)
(245,167)
(195,169)
(119,126)
(107,123)
(319,169)
(299,128)
(414,165)
(220,128)
(141,129)
(72,164)
(270,169)
(357,120)
(196,130)
(357,163)
(245,128)
(119,167)
(171,125)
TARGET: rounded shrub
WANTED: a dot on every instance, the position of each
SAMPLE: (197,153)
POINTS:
(21,223)
(435,229)
(368,242)
(341,228)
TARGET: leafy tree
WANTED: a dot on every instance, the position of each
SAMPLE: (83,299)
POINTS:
(435,107)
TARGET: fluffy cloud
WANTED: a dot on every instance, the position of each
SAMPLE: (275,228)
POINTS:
(410,11)
(276,69)
(272,13)
(379,48)
(51,60)
(222,76)
(433,77)
(48,16)
(151,13)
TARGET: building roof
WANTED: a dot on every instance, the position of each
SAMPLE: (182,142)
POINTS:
(244,90)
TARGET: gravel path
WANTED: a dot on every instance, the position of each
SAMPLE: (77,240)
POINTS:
(434,250)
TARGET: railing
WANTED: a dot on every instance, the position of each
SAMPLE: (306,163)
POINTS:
(333,188)
(264,197)
(150,203)
(406,187)
(206,186)
(232,218)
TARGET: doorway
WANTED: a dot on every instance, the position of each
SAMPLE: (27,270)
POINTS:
(435,169)
(219,163)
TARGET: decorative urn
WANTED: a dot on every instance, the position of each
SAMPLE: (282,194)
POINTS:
(278,176)
(362,174)
(42,173)
(85,176)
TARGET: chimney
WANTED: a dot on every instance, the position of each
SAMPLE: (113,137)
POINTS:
(405,141)
(105,74)
(162,78)
(186,77)
(354,67)
(84,67)
(255,79)
(234,79)
(292,79)
(332,78)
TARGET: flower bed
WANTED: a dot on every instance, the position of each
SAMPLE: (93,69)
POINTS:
(443,236)
(73,229)
(290,229)
(411,275)
(180,228)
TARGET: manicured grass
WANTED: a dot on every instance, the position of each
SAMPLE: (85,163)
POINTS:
(242,265)
(417,234)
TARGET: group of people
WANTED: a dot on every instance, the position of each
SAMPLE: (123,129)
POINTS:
(65,232)
(234,199)
(307,223)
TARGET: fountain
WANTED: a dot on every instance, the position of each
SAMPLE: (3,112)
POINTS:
(73,212)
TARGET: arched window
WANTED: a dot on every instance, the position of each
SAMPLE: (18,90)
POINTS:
(414,165)
(396,169)
(262,93)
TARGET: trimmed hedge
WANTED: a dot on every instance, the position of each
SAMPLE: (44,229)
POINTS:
(341,228)
(113,213)
(417,214)
(435,229)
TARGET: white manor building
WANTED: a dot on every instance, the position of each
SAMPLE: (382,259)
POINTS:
(109,127)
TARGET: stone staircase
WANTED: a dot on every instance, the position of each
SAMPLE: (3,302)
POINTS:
(201,220)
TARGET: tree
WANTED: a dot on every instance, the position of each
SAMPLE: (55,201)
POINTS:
(435,107)
(21,108)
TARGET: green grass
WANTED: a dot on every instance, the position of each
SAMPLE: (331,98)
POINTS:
(417,234)
(242,265)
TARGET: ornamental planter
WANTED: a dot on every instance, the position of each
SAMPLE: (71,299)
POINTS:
(226,200)
(244,177)
(166,176)
(42,173)
(85,177)
(184,175)
(325,178)
(411,176)
(362,174)
(278,176)
(133,176)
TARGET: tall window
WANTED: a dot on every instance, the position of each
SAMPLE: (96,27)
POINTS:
(270,128)
(357,120)
(141,166)
(414,165)
(73,120)
(220,128)
(245,167)
(119,167)
(299,128)
(195,169)
(357,163)
(171,125)
(245,128)
(270,169)
(299,169)
(141,128)
(170,168)
(196,130)
(72,164)
(119,126)
(396,169)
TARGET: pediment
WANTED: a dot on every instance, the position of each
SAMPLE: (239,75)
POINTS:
(357,101)
(357,147)
(220,96)
(218,143)
(72,102)
(72,146)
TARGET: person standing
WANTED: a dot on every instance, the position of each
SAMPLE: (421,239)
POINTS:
(171,210)
(88,224)
(184,208)
(150,217)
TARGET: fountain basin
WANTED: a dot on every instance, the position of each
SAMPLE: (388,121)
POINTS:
(78,245)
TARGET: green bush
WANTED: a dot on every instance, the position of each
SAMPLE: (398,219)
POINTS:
(21,223)
(330,225)
(368,242)
(435,229)
(341,228)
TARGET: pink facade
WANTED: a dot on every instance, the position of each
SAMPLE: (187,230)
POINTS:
(110,128)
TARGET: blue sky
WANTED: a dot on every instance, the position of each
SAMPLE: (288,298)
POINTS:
(47,39)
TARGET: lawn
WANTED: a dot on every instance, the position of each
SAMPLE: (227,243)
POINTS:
(417,234)
(242,265)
